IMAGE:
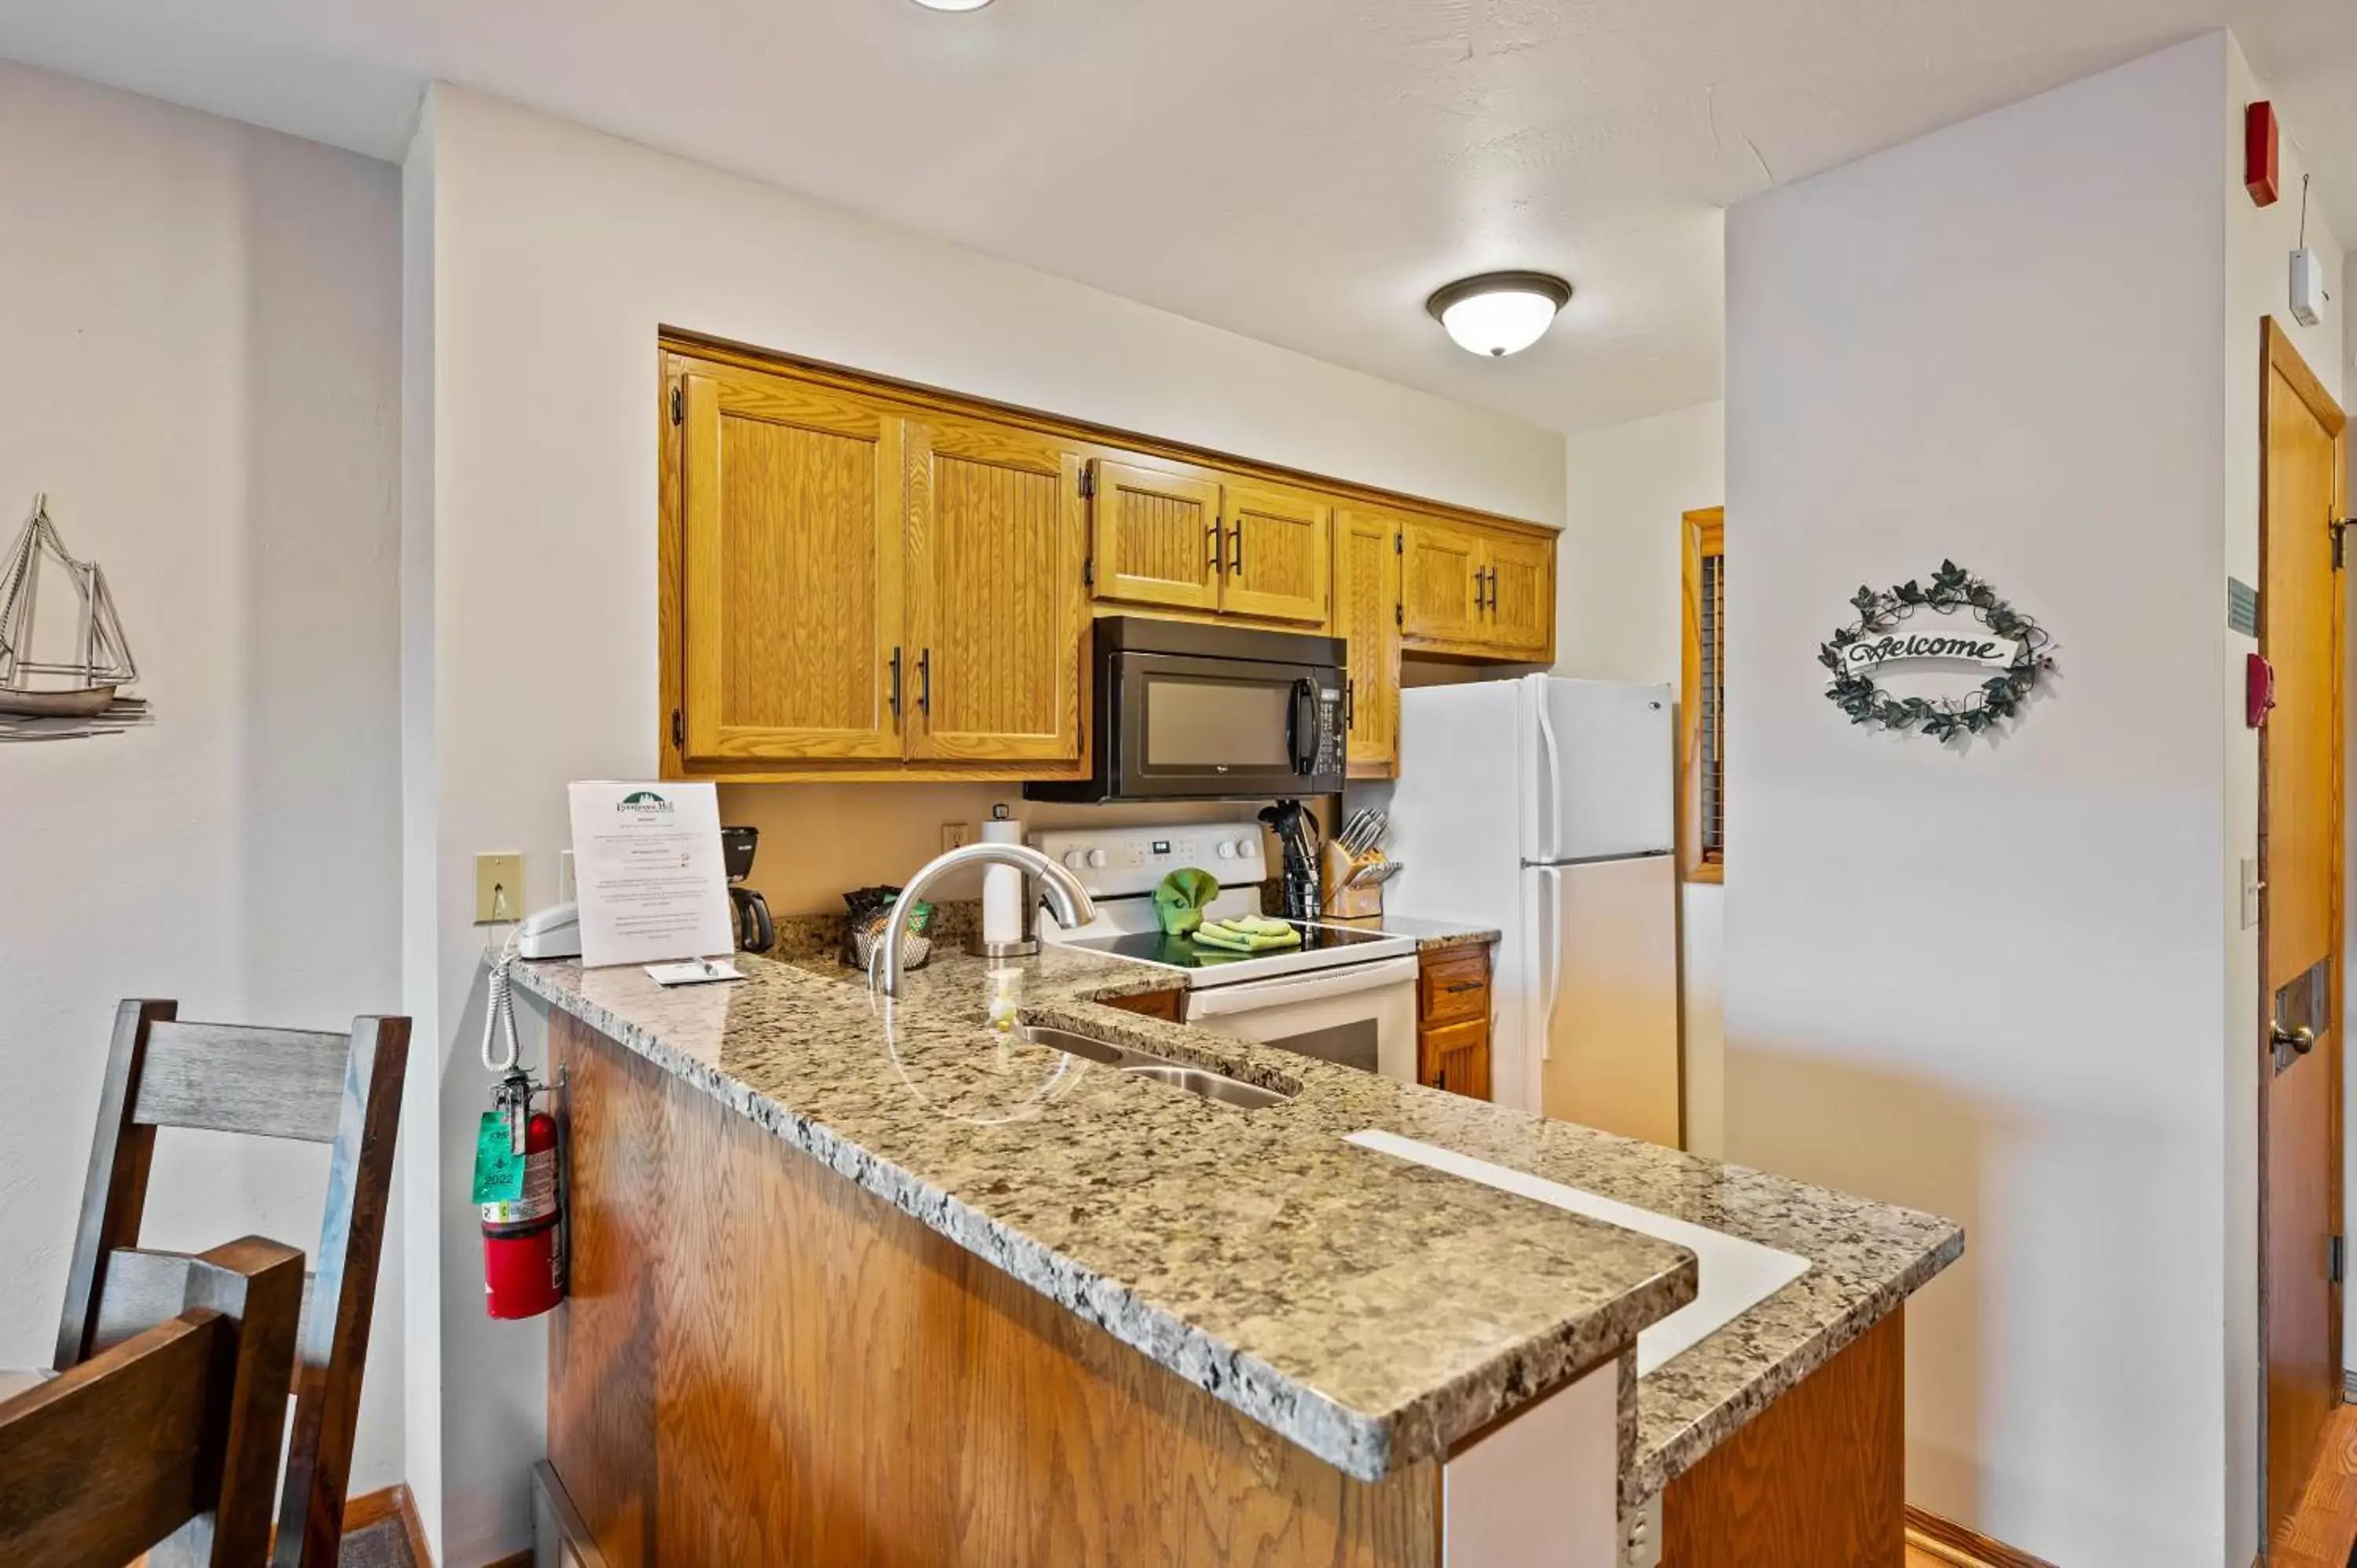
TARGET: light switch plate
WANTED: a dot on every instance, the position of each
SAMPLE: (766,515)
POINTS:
(499,887)
(2251,885)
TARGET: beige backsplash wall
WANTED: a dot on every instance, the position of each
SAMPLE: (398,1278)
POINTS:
(818,840)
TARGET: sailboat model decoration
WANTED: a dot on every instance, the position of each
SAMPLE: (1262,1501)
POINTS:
(63,658)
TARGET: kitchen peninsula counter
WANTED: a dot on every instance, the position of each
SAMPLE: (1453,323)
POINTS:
(1373,1312)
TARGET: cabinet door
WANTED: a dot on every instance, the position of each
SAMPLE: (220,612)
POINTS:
(1457,1057)
(790,570)
(1157,539)
(996,602)
(1521,614)
(1437,579)
(1278,553)
(1366,606)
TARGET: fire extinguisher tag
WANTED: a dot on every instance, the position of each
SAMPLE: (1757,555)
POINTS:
(499,1161)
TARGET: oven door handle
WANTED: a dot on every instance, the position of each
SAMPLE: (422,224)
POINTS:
(1252,995)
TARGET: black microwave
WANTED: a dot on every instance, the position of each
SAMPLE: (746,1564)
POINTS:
(1190,710)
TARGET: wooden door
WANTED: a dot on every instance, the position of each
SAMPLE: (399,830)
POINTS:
(2299,923)
(1366,614)
(790,567)
(1521,614)
(1156,537)
(1279,554)
(996,610)
(1437,580)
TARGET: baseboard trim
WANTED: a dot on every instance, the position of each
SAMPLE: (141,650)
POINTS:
(1951,1542)
(395,1503)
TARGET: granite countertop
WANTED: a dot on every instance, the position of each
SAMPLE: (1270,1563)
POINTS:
(1372,1310)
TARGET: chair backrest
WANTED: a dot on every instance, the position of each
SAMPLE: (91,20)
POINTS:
(339,1090)
(169,1440)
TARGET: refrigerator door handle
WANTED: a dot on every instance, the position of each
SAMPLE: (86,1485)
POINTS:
(1553,850)
(1550,945)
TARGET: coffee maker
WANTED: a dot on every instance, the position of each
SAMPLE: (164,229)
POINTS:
(755,933)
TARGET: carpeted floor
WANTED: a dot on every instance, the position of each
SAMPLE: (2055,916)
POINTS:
(378,1545)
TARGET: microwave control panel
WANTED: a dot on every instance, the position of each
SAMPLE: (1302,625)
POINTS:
(1333,760)
(1112,861)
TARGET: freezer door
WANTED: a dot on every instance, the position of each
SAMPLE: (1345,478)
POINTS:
(1601,782)
(1605,987)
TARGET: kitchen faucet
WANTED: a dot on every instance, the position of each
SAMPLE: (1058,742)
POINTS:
(1059,886)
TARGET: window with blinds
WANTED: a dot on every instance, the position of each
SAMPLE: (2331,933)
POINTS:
(1702,699)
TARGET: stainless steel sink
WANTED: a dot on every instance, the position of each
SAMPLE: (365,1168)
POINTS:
(1215,1087)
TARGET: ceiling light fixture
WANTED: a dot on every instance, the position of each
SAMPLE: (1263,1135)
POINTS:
(1499,314)
(953,5)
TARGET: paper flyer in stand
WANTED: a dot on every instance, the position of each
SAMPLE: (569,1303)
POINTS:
(648,868)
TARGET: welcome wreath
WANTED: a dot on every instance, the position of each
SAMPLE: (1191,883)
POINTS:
(2017,648)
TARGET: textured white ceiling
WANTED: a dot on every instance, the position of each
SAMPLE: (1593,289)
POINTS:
(1304,171)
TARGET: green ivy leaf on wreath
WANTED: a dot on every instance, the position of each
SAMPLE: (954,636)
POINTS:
(1997,699)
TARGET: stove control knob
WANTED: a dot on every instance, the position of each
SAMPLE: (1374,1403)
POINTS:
(1227,850)
(1248,848)
(1074,859)
(1096,859)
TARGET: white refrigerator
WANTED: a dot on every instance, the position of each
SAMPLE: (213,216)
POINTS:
(1547,808)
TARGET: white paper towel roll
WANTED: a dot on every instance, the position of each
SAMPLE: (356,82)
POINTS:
(1002,886)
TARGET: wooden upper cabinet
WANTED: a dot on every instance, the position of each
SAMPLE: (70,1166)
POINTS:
(1521,614)
(1156,537)
(1439,580)
(996,607)
(790,570)
(1366,613)
(1278,553)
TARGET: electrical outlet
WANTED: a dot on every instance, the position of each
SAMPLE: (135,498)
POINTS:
(566,891)
(957,836)
(499,888)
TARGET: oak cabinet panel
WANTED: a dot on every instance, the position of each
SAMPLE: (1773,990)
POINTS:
(1521,616)
(790,568)
(996,607)
(1278,551)
(1158,538)
(1366,614)
(1452,1021)
(1438,577)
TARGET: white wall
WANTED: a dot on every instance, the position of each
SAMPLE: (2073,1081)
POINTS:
(554,255)
(200,321)
(1991,983)
(1619,616)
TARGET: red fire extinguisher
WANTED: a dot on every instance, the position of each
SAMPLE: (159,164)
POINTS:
(523,1256)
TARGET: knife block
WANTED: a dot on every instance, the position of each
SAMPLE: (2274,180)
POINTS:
(1335,865)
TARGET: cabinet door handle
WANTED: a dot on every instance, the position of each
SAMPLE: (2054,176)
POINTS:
(1467,985)
(1491,572)
(1219,549)
(896,680)
(925,682)
(1236,556)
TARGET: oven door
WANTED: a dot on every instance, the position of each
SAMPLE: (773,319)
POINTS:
(1235,728)
(1361,1017)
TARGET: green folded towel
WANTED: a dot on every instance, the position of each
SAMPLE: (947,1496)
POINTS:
(1178,901)
(1251,933)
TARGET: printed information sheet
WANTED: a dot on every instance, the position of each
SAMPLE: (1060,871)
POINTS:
(648,874)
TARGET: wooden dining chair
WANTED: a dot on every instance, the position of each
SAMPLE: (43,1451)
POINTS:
(167,1442)
(343,1091)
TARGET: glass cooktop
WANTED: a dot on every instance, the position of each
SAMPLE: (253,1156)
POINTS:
(1181,953)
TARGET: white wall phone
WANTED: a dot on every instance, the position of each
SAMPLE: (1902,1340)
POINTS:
(553,933)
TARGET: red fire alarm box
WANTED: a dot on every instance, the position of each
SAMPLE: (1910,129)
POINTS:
(2258,690)
(2261,153)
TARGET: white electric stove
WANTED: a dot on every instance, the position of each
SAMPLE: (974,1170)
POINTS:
(1346,994)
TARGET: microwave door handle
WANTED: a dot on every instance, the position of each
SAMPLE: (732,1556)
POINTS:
(1301,743)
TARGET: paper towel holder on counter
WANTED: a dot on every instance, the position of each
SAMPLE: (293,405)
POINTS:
(1009,927)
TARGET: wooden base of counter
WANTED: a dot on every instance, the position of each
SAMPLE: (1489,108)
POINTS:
(762,1363)
(1818,1478)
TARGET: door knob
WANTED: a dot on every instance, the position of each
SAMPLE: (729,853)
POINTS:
(2302,1039)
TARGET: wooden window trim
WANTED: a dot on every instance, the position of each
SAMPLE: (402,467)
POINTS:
(1701,534)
